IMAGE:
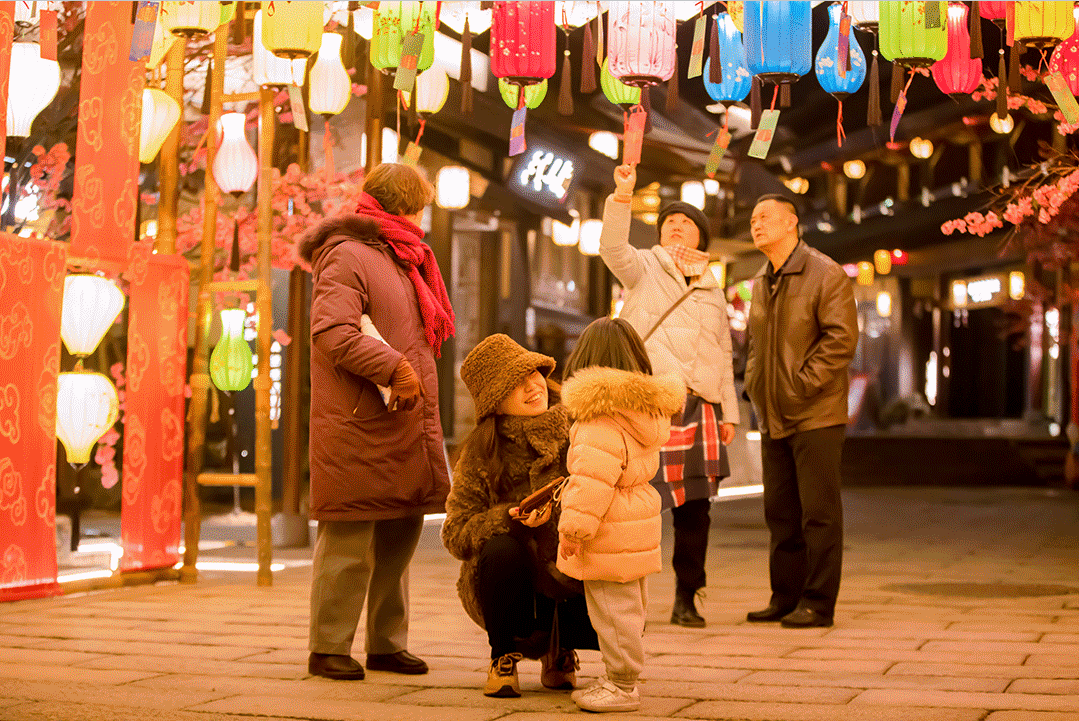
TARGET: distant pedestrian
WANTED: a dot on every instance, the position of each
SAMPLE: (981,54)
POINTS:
(610,526)
(803,331)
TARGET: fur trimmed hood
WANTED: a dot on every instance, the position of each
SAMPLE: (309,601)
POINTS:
(594,392)
(337,229)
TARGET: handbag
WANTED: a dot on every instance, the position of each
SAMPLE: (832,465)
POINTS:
(539,499)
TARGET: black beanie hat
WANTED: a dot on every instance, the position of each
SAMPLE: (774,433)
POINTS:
(690,211)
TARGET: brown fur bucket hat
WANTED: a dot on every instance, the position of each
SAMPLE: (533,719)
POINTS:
(495,367)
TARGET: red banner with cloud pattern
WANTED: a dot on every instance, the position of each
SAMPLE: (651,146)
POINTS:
(31,292)
(154,409)
(7,33)
(107,146)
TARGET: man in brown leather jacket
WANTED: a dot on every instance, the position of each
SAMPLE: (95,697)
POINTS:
(803,331)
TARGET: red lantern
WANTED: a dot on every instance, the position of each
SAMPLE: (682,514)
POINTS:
(995,11)
(1065,60)
(523,41)
(957,73)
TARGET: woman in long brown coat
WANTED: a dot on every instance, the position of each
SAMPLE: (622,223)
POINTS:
(376,466)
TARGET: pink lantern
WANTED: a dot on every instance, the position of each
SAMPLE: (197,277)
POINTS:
(640,42)
(995,11)
(1065,60)
(523,41)
(957,73)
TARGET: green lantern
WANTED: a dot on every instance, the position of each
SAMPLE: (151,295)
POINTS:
(231,361)
(394,21)
(534,94)
(914,34)
(616,91)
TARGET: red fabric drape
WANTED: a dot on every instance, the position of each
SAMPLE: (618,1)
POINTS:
(107,146)
(7,32)
(31,291)
(154,410)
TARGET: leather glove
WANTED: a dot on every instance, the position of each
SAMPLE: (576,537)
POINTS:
(405,387)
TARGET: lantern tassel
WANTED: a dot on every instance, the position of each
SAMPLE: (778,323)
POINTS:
(565,92)
(238,24)
(715,69)
(588,69)
(873,114)
(327,149)
(840,134)
(977,49)
(466,69)
(205,109)
(646,104)
(673,100)
(600,55)
(1015,82)
(897,81)
(755,103)
(785,95)
(1002,88)
(234,255)
(413,119)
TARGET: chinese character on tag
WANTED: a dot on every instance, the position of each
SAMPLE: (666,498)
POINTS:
(48,34)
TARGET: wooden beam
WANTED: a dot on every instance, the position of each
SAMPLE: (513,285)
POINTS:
(248,480)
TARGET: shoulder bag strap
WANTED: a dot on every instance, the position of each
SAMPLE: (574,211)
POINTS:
(664,316)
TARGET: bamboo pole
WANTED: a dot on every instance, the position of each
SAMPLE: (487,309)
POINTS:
(374,118)
(200,378)
(263,448)
(169,159)
(290,407)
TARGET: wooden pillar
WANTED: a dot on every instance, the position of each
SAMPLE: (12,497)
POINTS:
(373,127)
(200,378)
(974,155)
(264,303)
(291,417)
(441,241)
(168,167)
(902,182)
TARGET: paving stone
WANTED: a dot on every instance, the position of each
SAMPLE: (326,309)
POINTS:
(1031,716)
(69,674)
(54,711)
(162,664)
(749,692)
(746,711)
(1031,685)
(775,664)
(899,655)
(1061,638)
(980,671)
(865,681)
(192,650)
(885,635)
(1070,660)
(980,648)
(321,708)
(124,695)
(311,687)
(965,699)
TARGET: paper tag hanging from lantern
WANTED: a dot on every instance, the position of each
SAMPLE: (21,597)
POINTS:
(299,114)
(412,154)
(410,55)
(696,56)
(900,106)
(517,130)
(48,35)
(766,132)
(932,15)
(1058,86)
(633,135)
(844,43)
(142,37)
(719,149)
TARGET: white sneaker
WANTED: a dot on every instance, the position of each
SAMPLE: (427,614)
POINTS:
(586,689)
(605,696)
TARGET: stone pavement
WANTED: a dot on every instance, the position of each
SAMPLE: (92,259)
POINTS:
(957,605)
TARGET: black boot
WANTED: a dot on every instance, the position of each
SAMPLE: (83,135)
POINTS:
(685,612)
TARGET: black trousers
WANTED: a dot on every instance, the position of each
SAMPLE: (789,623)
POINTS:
(804,512)
(691,522)
(516,615)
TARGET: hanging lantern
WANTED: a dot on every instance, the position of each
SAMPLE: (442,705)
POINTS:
(737,80)
(432,89)
(160,46)
(1065,60)
(588,243)
(640,42)
(914,34)
(616,91)
(330,86)
(394,21)
(1043,24)
(454,14)
(578,12)
(777,40)
(235,166)
(231,361)
(882,262)
(190,19)
(86,407)
(865,15)
(997,11)
(865,273)
(534,94)
(32,84)
(523,41)
(958,74)
(91,304)
(565,236)
(269,70)
(292,29)
(453,187)
(827,65)
(160,113)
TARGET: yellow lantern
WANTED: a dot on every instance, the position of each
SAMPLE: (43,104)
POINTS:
(231,361)
(330,86)
(269,70)
(882,261)
(32,84)
(160,113)
(190,19)
(86,407)
(91,304)
(293,29)
(865,273)
(1043,24)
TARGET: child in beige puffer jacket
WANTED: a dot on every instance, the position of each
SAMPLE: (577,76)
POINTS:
(609,530)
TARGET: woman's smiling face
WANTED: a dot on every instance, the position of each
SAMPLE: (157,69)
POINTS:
(527,399)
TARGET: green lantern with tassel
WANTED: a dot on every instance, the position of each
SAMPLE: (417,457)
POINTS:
(616,91)
(534,94)
(394,21)
(232,361)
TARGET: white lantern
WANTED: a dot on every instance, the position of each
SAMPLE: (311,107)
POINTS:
(190,19)
(565,235)
(235,166)
(884,304)
(270,70)
(604,142)
(32,84)
(91,304)
(693,193)
(330,86)
(26,13)
(453,16)
(579,12)
(160,113)
(590,230)
(432,89)
(86,407)
(865,14)
(452,187)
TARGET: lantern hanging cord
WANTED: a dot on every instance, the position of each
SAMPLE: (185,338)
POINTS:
(419,135)
(400,101)
(438,14)
(416,24)
(565,23)
(840,134)
(775,95)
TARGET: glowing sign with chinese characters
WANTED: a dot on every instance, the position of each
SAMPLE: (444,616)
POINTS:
(547,173)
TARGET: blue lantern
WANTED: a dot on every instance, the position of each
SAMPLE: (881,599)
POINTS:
(736,78)
(777,40)
(828,60)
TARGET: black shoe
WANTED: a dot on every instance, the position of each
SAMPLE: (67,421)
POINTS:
(335,666)
(684,612)
(772,613)
(805,618)
(400,662)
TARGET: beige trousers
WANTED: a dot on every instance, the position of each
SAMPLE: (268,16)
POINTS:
(617,613)
(357,560)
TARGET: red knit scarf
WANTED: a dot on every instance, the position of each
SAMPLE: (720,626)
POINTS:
(406,241)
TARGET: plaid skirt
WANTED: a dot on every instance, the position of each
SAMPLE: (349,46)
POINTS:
(694,460)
